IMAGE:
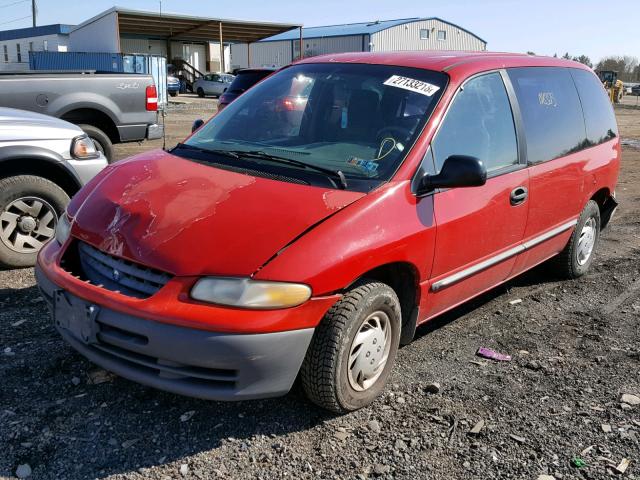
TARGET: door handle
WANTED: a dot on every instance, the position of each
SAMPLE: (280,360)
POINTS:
(518,195)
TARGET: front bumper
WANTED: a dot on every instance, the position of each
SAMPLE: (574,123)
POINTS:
(87,169)
(186,361)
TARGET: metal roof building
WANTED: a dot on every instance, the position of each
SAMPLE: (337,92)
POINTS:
(15,44)
(430,33)
(195,39)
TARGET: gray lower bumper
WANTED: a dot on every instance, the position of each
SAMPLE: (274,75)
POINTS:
(155,131)
(185,361)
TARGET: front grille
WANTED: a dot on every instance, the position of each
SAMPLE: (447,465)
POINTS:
(119,275)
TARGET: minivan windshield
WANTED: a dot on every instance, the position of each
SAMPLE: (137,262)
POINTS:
(329,124)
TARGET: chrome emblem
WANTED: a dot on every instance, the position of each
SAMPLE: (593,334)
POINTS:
(115,275)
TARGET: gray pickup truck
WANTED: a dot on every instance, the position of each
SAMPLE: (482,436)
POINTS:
(110,108)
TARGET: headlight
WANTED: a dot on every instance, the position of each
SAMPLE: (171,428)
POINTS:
(246,293)
(82,147)
(63,229)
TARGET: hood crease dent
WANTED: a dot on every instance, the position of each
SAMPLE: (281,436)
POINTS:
(190,219)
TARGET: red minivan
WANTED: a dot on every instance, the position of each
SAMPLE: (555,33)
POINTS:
(270,245)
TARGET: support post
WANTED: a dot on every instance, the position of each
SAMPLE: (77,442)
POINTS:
(221,49)
(248,55)
(301,48)
(34,11)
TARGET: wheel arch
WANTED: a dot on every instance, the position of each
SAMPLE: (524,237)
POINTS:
(403,278)
(94,117)
(30,161)
(607,205)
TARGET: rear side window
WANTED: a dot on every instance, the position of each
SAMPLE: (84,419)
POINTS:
(551,112)
(479,123)
(246,80)
(598,112)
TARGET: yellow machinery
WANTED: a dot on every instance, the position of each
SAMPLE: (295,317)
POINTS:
(614,87)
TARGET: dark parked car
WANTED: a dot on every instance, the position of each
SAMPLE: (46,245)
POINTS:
(635,90)
(245,79)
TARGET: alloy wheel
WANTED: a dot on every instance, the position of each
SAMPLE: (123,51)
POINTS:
(27,223)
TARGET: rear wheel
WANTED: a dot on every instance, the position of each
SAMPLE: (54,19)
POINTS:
(577,256)
(29,210)
(101,140)
(200,92)
(173,93)
(353,349)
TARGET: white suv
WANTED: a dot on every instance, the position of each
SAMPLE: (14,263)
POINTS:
(43,162)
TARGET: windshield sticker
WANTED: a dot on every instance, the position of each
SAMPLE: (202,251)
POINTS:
(547,99)
(367,165)
(411,84)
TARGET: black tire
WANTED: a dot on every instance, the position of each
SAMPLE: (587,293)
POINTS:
(324,371)
(173,93)
(567,263)
(200,92)
(101,140)
(14,188)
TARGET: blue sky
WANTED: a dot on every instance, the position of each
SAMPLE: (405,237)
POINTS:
(593,28)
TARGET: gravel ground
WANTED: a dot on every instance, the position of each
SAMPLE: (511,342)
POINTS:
(556,406)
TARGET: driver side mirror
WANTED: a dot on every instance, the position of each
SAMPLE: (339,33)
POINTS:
(457,171)
(196,125)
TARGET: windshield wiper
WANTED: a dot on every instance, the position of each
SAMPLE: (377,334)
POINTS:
(226,153)
(261,155)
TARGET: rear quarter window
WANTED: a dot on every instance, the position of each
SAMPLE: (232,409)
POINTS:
(551,112)
(599,118)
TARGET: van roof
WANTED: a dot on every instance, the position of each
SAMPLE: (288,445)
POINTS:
(452,62)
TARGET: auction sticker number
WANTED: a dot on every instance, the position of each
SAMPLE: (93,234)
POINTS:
(411,84)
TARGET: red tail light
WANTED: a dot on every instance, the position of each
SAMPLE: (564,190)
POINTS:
(152,98)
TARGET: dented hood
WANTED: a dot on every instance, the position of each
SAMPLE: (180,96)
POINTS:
(186,218)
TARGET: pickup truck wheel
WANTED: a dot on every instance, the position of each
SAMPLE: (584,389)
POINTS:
(29,210)
(200,92)
(100,140)
(353,349)
(577,256)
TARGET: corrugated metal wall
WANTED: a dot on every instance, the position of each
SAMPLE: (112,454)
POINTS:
(271,54)
(322,46)
(106,62)
(278,54)
(263,54)
(407,37)
(401,37)
(239,56)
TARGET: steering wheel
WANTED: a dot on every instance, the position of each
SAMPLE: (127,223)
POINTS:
(399,134)
(395,134)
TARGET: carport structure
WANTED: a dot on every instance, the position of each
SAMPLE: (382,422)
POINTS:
(109,30)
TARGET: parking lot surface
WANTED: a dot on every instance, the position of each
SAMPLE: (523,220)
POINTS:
(557,408)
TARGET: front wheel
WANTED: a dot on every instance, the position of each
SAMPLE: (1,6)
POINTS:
(200,92)
(29,210)
(353,349)
(577,256)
